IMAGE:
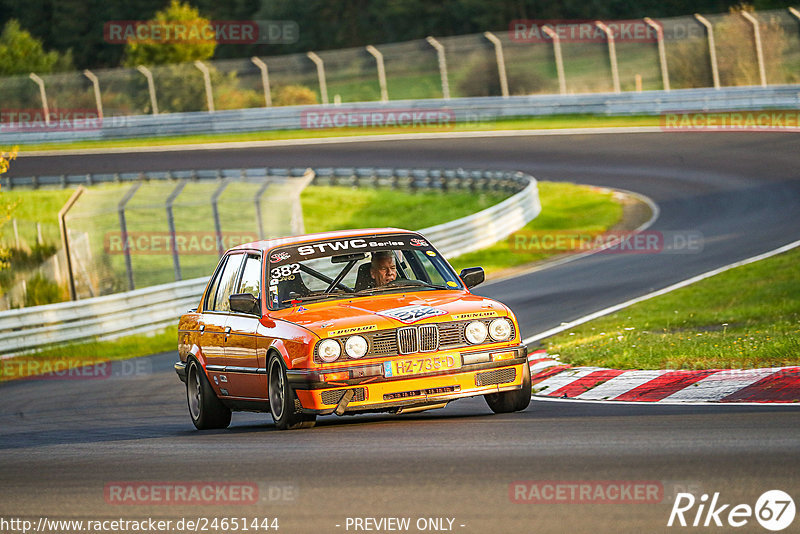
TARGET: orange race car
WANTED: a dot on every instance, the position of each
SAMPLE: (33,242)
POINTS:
(345,322)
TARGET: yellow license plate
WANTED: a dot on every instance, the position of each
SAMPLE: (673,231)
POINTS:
(428,364)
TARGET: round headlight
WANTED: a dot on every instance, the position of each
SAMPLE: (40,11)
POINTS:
(355,346)
(475,332)
(329,350)
(500,329)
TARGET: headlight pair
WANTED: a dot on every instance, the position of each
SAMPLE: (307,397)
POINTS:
(329,350)
(499,330)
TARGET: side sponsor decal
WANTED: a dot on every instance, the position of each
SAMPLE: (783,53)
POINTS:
(353,330)
(412,314)
(474,315)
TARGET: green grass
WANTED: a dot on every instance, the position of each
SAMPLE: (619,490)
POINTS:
(521,123)
(747,317)
(565,206)
(77,355)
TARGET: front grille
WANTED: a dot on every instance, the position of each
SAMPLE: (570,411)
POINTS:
(407,340)
(500,376)
(333,396)
(428,338)
(384,342)
(413,339)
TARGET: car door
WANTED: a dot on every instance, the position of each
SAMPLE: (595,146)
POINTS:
(247,377)
(214,327)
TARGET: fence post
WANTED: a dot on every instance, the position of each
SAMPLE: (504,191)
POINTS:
(501,62)
(323,87)
(62,227)
(381,72)
(215,210)
(712,50)
(442,65)
(259,194)
(264,80)
(45,108)
(207,81)
(151,87)
(762,73)
(123,226)
(562,82)
(662,53)
(176,262)
(96,86)
(612,54)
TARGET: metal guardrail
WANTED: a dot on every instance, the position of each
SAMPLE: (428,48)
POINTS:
(459,110)
(150,309)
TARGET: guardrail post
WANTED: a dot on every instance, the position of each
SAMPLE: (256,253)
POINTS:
(264,80)
(96,86)
(381,72)
(323,86)
(712,49)
(62,228)
(562,82)
(176,262)
(612,54)
(207,82)
(762,74)
(123,226)
(439,47)
(215,210)
(662,53)
(501,62)
(259,194)
(151,87)
(45,108)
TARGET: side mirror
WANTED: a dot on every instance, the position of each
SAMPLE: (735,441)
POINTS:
(245,303)
(472,276)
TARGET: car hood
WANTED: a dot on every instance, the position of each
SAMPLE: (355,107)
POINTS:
(342,317)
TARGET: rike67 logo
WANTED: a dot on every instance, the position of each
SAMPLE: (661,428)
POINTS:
(774,510)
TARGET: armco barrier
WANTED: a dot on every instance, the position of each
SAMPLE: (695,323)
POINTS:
(150,309)
(461,110)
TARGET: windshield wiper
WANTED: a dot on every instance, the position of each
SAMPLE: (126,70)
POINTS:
(418,284)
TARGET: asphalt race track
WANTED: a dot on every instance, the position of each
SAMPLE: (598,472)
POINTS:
(64,443)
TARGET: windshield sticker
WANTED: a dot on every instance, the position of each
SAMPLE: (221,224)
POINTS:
(451,283)
(412,314)
(430,253)
(285,271)
(474,315)
(353,330)
(418,243)
(279,257)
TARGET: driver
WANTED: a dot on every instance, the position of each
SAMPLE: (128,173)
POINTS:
(382,268)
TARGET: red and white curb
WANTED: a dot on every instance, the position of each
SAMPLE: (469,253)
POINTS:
(551,378)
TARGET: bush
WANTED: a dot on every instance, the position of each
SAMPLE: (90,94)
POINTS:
(480,78)
(293,95)
(40,290)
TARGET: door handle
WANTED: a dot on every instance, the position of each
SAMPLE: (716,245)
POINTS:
(227,330)
(202,329)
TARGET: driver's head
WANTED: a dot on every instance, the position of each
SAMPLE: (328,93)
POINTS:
(382,268)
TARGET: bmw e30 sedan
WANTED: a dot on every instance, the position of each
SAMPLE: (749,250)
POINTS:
(343,323)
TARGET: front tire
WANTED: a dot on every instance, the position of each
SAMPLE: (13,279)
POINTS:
(283,404)
(205,408)
(512,401)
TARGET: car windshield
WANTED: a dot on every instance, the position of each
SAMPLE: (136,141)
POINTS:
(355,267)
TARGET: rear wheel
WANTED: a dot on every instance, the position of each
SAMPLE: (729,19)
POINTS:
(512,401)
(283,403)
(205,408)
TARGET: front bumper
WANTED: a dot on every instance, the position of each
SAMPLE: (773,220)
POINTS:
(373,391)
